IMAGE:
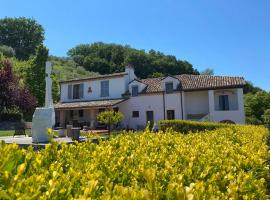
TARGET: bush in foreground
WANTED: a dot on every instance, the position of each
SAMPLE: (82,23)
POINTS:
(186,126)
(220,164)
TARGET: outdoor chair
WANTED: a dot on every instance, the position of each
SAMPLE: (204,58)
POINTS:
(19,131)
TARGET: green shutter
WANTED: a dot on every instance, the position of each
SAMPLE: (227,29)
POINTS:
(81,91)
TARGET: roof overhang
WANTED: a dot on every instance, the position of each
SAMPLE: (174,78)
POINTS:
(88,104)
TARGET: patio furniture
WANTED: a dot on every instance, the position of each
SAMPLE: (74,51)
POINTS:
(69,130)
(19,131)
(76,133)
(61,131)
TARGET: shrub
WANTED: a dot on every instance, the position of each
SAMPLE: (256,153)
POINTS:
(11,117)
(7,51)
(110,118)
(266,118)
(185,126)
(221,164)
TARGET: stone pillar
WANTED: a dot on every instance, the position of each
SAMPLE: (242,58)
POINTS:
(240,100)
(44,117)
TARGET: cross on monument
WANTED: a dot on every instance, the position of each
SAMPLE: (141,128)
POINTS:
(44,117)
(48,95)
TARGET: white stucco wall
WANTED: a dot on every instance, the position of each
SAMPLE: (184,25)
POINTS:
(116,89)
(232,95)
(154,102)
(196,102)
(173,102)
(142,104)
(237,116)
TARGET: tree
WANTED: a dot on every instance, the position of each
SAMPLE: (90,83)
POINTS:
(266,118)
(207,71)
(24,35)
(110,58)
(110,118)
(250,88)
(7,51)
(35,75)
(255,106)
(12,94)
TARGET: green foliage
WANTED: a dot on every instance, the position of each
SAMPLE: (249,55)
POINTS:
(250,88)
(207,71)
(7,51)
(185,126)
(266,118)
(17,116)
(24,35)
(109,58)
(66,69)
(110,118)
(255,106)
(221,164)
(35,75)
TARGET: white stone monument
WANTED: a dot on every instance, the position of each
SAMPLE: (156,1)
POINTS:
(44,117)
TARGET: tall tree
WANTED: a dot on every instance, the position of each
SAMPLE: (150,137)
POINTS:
(12,94)
(35,76)
(255,106)
(24,35)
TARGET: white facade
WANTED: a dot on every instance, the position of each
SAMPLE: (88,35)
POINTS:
(201,105)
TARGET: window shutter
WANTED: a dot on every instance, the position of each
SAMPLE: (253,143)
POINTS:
(226,102)
(221,102)
(104,88)
(81,91)
(69,91)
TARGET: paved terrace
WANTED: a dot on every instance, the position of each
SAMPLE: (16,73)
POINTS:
(25,141)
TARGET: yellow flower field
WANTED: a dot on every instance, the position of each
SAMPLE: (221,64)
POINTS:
(227,163)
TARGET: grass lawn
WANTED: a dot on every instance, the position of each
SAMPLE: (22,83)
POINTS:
(10,133)
(6,133)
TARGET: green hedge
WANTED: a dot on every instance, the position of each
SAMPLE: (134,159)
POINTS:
(11,117)
(185,126)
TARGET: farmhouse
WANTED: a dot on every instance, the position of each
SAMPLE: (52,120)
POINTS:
(189,97)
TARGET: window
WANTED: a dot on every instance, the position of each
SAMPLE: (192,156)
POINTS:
(104,88)
(81,113)
(135,90)
(170,114)
(75,91)
(223,102)
(169,87)
(135,114)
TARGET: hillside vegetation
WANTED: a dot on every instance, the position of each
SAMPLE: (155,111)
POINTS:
(226,163)
(109,58)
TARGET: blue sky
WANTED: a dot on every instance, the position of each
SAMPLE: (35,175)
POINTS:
(230,36)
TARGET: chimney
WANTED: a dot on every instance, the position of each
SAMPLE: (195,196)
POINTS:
(130,72)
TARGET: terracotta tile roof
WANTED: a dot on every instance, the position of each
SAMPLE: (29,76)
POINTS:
(195,82)
(96,77)
(88,104)
(153,85)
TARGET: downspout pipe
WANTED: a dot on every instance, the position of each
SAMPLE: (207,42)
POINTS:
(181,97)
(163,95)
